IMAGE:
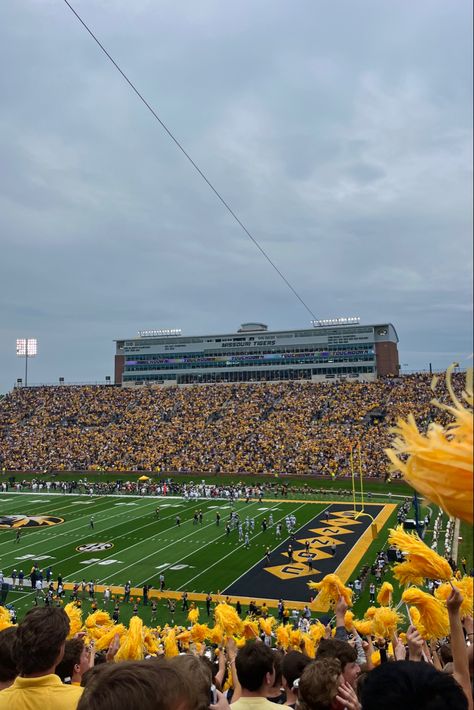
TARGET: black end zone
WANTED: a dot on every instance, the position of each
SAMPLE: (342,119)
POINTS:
(326,541)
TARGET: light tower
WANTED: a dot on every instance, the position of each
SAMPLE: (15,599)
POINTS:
(26,347)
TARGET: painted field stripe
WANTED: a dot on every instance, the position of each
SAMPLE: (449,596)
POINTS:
(54,534)
(174,542)
(232,552)
(279,544)
(355,554)
(223,543)
(85,517)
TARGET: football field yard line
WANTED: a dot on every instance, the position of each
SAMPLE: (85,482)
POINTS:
(357,551)
(209,505)
(53,534)
(139,510)
(197,550)
(172,544)
(233,552)
(84,527)
(280,542)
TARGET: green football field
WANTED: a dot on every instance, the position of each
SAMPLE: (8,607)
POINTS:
(129,541)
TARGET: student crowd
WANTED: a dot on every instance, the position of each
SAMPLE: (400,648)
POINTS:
(53,660)
(284,428)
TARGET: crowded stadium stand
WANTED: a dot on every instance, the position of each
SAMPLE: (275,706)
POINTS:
(295,427)
(331,349)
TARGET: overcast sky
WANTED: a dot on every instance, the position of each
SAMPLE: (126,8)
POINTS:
(339,131)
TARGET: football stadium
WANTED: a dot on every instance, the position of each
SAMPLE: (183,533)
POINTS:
(225,516)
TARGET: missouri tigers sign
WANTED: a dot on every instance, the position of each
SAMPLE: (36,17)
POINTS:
(28,521)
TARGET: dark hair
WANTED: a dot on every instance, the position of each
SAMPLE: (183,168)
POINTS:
(39,639)
(72,655)
(413,686)
(445,653)
(197,674)
(319,684)
(335,648)
(8,670)
(293,666)
(148,685)
(253,662)
(277,664)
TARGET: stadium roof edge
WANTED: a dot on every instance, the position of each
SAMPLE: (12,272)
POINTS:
(267,333)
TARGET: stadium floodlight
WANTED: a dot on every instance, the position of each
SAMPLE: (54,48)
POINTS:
(342,320)
(159,332)
(26,347)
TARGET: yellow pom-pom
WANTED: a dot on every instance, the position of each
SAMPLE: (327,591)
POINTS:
(364,628)
(375,657)
(433,615)
(98,618)
(267,625)
(421,563)
(228,619)
(75,619)
(384,597)
(465,585)
(5,619)
(309,646)
(131,644)
(216,634)
(385,622)
(329,589)
(317,631)
(349,619)
(295,639)
(170,645)
(193,615)
(199,632)
(103,642)
(440,464)
(250,629)
(283,636)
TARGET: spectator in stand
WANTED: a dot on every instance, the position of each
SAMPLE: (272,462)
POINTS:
(38,648)
(322,687)
(8,670)
(292,668)
(411,686)
(255,670)
(346,656)
(290,427)
(77,659)
(144,685)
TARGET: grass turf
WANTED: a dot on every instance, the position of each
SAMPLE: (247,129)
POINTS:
(195,558)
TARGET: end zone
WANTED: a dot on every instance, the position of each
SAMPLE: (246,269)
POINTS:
(334,541)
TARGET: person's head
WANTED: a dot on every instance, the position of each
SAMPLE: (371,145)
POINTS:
(75,662)
(277,663)
(8,670)
(40,639)
(412,686)
(318,685)
(148,685)
(345,654)
(255,667)
(292,668)
(445,653)
(198,674)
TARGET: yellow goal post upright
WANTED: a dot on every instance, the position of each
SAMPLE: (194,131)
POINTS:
(358,513)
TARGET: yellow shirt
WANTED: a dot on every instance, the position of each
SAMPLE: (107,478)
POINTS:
(43,693)
(252,704)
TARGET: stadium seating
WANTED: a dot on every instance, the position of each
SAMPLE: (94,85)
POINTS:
(287,427)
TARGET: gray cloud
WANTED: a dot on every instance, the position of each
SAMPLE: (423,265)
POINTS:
(341,133)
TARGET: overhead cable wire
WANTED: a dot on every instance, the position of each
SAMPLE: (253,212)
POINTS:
(193,163)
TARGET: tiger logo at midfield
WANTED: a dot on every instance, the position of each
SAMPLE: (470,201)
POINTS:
(29,521)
